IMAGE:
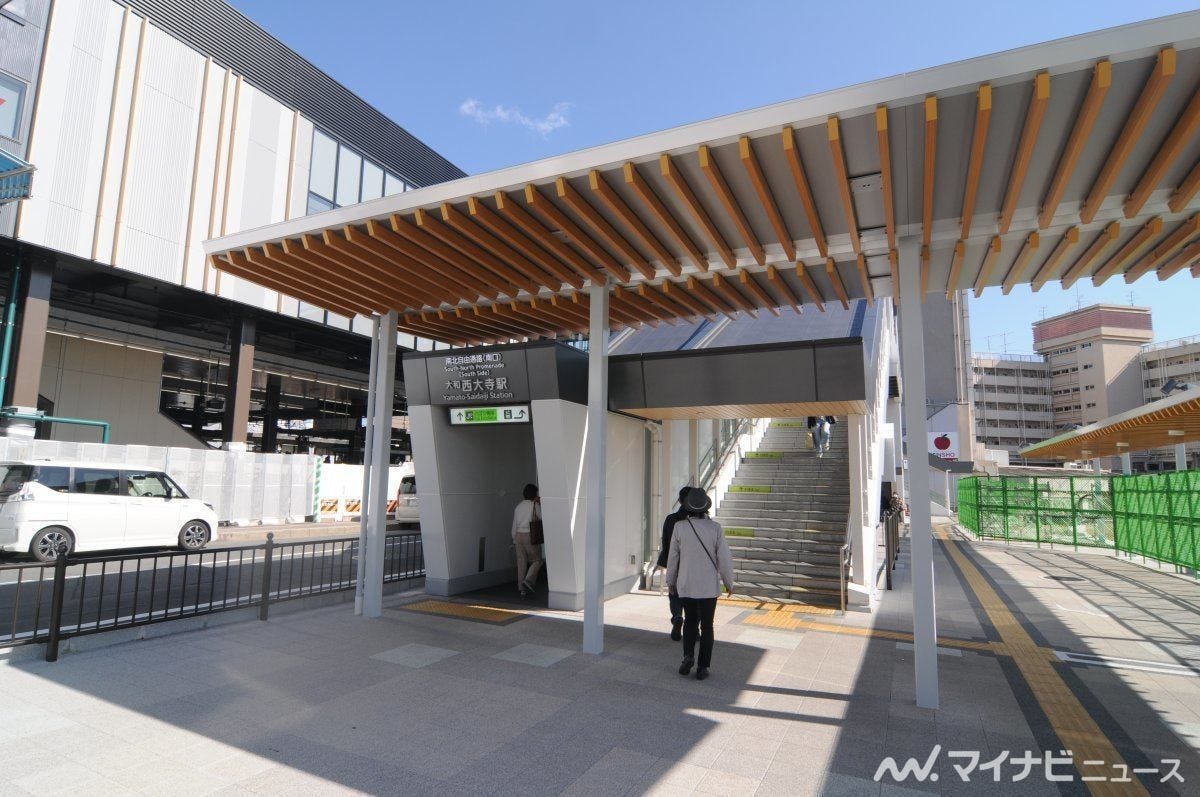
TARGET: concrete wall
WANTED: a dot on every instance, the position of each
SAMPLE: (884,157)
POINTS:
(110,383)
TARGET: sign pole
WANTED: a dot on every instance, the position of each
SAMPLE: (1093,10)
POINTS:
(595,463)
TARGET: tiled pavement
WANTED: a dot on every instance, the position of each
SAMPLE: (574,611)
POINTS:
(416,703)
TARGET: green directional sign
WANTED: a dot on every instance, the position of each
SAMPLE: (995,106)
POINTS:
(738,531)
(764,455)
(789,424)
(484,416)
(750,488)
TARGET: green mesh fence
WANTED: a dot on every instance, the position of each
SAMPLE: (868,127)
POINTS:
(1155,515)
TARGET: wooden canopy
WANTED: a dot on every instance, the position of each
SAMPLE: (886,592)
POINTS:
(1163,423)
(1070,160)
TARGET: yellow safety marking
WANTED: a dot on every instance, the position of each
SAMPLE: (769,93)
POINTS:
(466,611)
(772,606)
(800,624)
(1075,728)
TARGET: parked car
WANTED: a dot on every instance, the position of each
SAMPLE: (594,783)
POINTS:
(408,510)
(96,507)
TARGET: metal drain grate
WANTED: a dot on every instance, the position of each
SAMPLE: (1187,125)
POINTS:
(1064,578)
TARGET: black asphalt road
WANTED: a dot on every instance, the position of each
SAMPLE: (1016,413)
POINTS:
(128,587)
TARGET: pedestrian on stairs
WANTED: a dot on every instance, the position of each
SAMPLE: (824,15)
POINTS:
(821,427)
(699,561)
(663,553)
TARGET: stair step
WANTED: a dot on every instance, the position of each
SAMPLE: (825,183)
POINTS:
(789,580)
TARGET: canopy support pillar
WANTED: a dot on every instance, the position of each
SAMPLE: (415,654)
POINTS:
(1180,456)
(368,434)
(1126,464)
(371,557)
(595,464)
(912,364)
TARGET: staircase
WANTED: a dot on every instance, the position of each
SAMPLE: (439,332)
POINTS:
(785,516)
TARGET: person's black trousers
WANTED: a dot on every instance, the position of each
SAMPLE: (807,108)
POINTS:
(698,617)
(676,608)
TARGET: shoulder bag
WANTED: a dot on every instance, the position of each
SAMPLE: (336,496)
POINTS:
(537,535)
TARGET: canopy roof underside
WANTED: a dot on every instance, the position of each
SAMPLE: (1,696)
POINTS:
(1069,160)
(1164,423)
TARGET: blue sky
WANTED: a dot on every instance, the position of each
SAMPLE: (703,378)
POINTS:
(491,84)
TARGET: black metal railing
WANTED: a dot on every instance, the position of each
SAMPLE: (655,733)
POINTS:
(892,520)
(88,594)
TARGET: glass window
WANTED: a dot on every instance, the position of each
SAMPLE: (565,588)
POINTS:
(323,169)
(393,185)
(318,205)
(96,481)
(13,478)
(349,174)
(372,181)
(12,91)
(56,478)
(146,484)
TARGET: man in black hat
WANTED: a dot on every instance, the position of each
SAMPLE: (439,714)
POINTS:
(668,528)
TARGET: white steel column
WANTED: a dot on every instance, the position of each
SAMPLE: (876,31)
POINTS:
(371,557)
(694,452)
(1096,466)
(862,536)
(368,433)
(1180,456)
(1126,464)
(894,417)
(912,364)
(596,462)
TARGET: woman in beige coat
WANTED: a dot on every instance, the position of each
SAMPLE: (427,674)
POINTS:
(699,561)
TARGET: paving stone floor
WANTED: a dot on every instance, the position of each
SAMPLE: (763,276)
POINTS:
(322,702)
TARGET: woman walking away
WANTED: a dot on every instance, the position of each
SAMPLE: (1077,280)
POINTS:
(699,561)
(668,527)
(529,561)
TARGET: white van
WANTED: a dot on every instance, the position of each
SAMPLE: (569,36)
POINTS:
(96,507)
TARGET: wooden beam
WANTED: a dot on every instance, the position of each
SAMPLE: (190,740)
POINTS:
(954,277)
(514,312)
(471,278)
(254,267)
(552,215)
(705,294)
(989,262)
(618,207)
(1101,242)
(405,270)
(498,248)
(372,271)
(654,295)
(678,292)
(301,276)
(489,321)
(534,315)
(930,172)
(529,249)
(723,286)
(301,252)
(864,276)
(1132,248)
(1034,114)
(1080,132)
(925,261)
(810,287)
(464,319)
(516,214)
(763,189)
(1049,269)
(1032,242)
(1167,247)
(644,306)
(791,150)
(667,219)
(983,119)
(835,277)
(837,153)
(1185,131)
(617,311)
(789,296)
(567,193)
(439,249)
(1186,190)
(1135,124)
(465,246)
(672,175)
(712,171)
(751,286)
(1180,261)
(885,171)
(568,315)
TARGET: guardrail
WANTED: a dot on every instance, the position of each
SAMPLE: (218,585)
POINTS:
(76,596)
(1156,516)
(892,520)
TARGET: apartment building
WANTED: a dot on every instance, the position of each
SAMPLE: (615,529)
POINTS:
(1012,401)
(1177,359)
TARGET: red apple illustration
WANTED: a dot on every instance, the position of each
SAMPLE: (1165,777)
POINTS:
(941,443)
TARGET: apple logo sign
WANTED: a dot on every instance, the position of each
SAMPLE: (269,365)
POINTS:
(941,443)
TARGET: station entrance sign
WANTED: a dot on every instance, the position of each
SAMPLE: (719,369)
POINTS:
(482,416)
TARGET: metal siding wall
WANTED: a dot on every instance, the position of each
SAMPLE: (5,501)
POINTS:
(203,179)
(159,170)
(110,187)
